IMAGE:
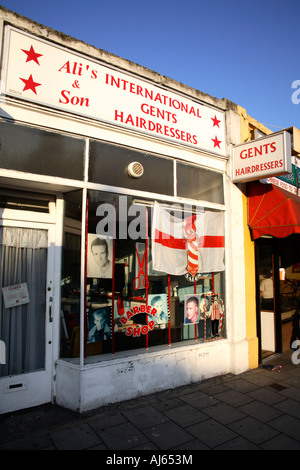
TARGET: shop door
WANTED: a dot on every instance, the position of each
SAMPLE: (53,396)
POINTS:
(26,280)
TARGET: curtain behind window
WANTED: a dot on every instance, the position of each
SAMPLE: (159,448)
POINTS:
(23,255)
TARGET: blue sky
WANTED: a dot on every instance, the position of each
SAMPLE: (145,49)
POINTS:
(246,51)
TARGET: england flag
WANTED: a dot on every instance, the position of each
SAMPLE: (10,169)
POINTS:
(212,244)
(170,244)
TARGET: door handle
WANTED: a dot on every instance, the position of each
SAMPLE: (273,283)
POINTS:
(50,309)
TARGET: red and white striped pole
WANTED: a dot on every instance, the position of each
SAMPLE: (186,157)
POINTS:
(193,254)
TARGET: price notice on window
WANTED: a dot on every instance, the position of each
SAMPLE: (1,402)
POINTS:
(15,295)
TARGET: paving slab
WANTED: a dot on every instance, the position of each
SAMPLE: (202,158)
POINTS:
(291,392)
(224,413)
(295,371)
(293,381)
(253,430)
(163,405)
(287,424)
(199,400)
(260,411)
(146,446)
(242,385)
(261,380)
(281,442)
(185,415)
(233,398)
(239,443)
(267,395)
(122,437)
(288,406)
(145,417)
(99,424)
(16,426)
(212,390)
(211,433)
(167,435)
(191,445)
(33,443)
(75,438)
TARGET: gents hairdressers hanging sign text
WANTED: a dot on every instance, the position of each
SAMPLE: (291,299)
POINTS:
(38,71)
(262,158)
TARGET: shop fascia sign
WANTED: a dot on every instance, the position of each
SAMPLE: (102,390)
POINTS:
(262,158)
(38,71)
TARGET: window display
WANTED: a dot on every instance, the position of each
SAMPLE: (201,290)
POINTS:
(155,274)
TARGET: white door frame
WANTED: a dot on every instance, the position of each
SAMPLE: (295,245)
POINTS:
(36,388)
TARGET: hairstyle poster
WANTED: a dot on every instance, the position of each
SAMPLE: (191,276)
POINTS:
(160,303)
(191,309)
(99,325)
(99,257)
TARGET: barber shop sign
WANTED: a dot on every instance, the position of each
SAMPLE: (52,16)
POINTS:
(137,329)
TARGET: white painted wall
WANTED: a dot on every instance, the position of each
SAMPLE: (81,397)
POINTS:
(125,377)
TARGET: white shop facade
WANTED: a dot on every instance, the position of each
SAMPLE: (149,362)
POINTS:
(118,218)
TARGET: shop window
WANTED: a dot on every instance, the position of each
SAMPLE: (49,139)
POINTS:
(129,303)
(198,183)
(36,151)
(108,164)
(19,200)
(70,279)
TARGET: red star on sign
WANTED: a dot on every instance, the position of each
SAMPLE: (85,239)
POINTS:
(216,142)
(215,121)
(32,55)
(30,84)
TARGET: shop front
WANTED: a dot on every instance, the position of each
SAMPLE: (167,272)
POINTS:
(267,164)
(146,313)
(122,237)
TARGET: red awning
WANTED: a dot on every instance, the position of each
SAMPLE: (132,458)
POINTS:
(272,211)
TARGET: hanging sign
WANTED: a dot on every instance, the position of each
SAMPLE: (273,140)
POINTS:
(39,71)
(16,295)
(262,158)
(290,182)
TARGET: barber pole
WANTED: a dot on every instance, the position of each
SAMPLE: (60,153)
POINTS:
(192,241)
(222,316)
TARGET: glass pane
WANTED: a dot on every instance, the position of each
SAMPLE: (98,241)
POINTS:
(199,184)
(70,281)
(23,274)
(289,287)
(24,201)
(109,165)
(36,151)
(266,277)
(289,275)
(120,304)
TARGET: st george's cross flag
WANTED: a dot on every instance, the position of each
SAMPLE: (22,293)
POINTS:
(212,244)
(170,246)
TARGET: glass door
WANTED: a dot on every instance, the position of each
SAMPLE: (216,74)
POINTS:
(26,280)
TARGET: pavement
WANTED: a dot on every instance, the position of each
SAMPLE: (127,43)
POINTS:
(256,410)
